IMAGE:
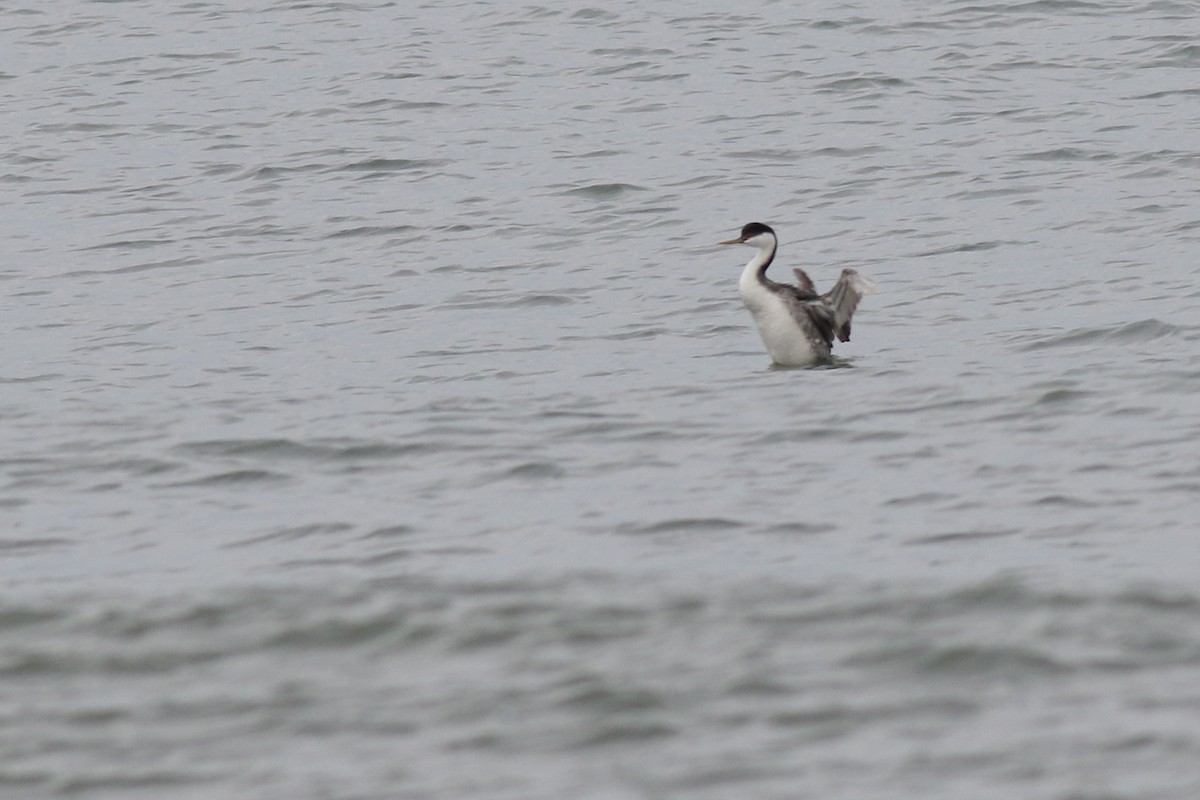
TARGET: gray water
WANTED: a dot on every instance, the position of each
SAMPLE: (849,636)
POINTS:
(380,421)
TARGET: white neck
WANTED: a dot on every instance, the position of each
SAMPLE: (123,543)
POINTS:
(750,275)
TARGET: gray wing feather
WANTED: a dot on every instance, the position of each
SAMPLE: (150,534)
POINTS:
(806,284)
(843,298)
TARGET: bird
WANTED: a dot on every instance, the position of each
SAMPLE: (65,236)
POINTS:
(796,324)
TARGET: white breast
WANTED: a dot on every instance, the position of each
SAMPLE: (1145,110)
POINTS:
(787,343)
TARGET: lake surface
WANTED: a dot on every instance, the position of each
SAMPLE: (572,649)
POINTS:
(379,419)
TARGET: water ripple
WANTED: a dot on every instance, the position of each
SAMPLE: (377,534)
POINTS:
(373,386)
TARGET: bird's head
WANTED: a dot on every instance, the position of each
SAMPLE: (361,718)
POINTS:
(754,234)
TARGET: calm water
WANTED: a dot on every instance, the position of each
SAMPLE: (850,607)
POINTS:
(379,420)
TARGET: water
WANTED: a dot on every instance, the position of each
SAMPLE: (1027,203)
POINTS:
(379,420)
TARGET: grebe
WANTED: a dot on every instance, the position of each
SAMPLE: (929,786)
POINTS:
(796,324)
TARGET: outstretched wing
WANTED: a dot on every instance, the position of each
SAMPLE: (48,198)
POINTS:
(843,298)
(823,316)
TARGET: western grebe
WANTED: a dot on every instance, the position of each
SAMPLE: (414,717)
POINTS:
(796,324)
